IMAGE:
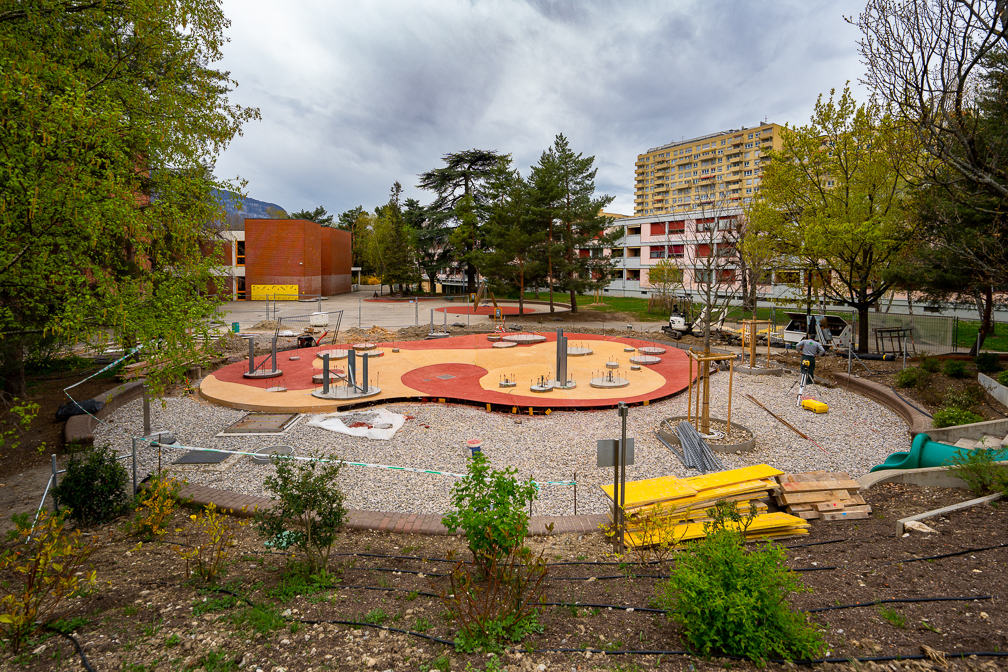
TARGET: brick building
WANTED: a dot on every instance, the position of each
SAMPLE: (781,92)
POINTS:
(288,258)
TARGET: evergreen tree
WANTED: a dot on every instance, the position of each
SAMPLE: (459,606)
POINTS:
(577,227)
(464,175)
(319,215)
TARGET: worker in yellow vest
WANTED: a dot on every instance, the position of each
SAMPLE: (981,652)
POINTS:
(808,349)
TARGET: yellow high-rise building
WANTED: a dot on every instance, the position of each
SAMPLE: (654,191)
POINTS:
(721,168)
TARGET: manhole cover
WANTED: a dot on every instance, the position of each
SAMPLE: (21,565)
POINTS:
(525,339)
(202,457)
(263,457)
(261,423)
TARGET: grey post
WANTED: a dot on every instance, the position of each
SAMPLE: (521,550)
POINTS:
(364,381)
(416,313)
(352,367)
(446,320)
(624,411)
(325,373)
(134,467)
(146,411)
(561,358)
(360,302)
(54,472)
(251,342)
(432,320)
(274,353)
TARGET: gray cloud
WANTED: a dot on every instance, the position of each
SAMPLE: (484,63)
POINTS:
(355,96)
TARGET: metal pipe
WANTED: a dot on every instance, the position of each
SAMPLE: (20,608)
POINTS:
(624,411)
(38,512)
(364,373)
(251,343)
(134,467)
(146,411)
(274,353)
(325,373)
(54,481)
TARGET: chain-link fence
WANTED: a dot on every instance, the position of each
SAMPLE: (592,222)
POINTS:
(925,334)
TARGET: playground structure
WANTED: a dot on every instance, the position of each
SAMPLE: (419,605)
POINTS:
(468,369)
(701,417)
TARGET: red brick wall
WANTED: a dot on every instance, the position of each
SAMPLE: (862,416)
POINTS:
(283,252)
(327,261)
(341,261)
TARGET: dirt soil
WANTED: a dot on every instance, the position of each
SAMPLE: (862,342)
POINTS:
(146,616)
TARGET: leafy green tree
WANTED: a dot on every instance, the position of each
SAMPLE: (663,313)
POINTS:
(388,243)
(110,114)
(514,240)
(566,188)
(347,221)
(833,197)
(319,215)
(464,174)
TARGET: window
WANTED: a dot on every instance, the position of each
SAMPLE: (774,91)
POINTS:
(749,145)
(750,137)
(240,288)
(240,254)
(658,252)
(676,250)
(633,275)
(658,229)
(616,253)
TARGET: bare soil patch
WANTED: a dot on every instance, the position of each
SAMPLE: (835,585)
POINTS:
(147,617)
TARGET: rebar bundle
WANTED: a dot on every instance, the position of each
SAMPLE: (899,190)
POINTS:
(696,454)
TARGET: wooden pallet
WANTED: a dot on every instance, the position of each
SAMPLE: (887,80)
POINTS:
(821,495)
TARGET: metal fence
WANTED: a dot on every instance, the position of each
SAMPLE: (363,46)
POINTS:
(931,334)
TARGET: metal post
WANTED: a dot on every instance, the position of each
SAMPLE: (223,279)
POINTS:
(146,411)
(325,373)
(55,505)
(432,320)
(319,304)
(134,467)
(624,412)
(251,343)
(575,493)
(416,313)
(904,351)
(364,376)
(360,302)
(352,367)
(274,353)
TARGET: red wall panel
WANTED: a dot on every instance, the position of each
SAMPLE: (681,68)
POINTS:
(283,252)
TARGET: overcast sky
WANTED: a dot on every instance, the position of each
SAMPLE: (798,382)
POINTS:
(357,95)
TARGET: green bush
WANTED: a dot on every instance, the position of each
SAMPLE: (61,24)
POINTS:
(1002,378)
(988,362)
(908,378)
(490,509)
(950,417)
(930,364)
(307,509)
(93,487)
(955,368)
(732,602)
(980,470)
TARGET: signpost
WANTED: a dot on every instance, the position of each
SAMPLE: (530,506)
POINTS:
(617,453)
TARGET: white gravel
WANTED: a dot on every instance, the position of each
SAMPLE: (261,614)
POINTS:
(854,435)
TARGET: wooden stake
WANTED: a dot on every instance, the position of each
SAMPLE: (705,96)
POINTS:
(731,374)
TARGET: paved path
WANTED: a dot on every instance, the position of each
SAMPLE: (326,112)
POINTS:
(387,521)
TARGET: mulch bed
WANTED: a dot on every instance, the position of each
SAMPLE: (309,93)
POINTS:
(145,613)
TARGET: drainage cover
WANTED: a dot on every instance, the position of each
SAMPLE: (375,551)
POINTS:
(261,423)
(202,457)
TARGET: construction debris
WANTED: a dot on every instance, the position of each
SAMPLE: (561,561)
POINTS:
(672,510)
(821,495)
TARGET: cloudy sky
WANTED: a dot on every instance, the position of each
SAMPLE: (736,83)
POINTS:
(357,95)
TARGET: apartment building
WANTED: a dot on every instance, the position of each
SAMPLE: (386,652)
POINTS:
(693,174)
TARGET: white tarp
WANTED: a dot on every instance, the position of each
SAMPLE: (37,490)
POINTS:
(370,424)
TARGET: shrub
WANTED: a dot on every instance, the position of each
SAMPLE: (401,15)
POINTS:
(45,568)
(490,509)
(980,470)
(955,368)
(1003,378)
(503,607)
(732,602)
(930,364)
(907,378)
(964,399)
(950,417)
(211,540)
(307,511)
(20,416)
(155,507)
(988,362)
(93,487)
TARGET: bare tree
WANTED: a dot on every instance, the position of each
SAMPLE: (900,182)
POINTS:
(928,58)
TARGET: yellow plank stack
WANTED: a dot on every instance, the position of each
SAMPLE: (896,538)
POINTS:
(684,502)
(821,495)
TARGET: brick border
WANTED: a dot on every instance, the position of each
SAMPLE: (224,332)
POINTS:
(384,521)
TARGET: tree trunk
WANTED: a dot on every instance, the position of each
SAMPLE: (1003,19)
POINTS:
(470,278)
(521,293)
(549,259)
(984,303)
(573,301)
(14,382)
(862,309)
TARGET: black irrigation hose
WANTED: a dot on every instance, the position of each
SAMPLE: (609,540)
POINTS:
(910,403)
(814,661)
(80,652)
(899,600)
(646,610)
(944,555)
(817,543)
(432,638)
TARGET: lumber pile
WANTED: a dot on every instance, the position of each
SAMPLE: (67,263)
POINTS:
(821,495)
(660,510)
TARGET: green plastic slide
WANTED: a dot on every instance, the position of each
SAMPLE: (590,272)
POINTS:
(927,453)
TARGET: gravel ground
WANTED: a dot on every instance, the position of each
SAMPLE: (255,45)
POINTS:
(854,435)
